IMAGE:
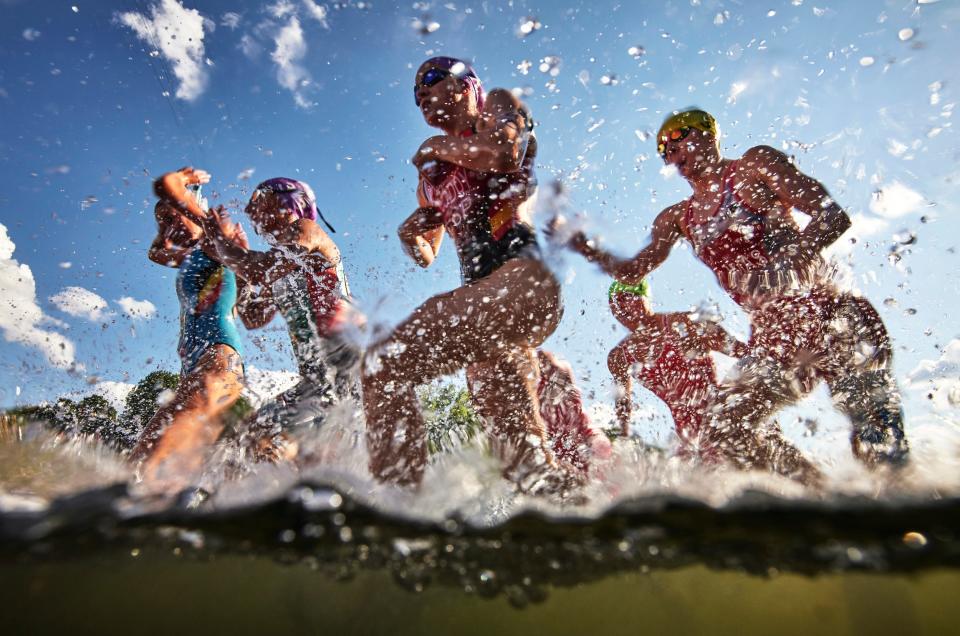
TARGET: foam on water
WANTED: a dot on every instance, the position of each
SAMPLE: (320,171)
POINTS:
(463,482)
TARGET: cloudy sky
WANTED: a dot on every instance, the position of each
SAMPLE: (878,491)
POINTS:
(100,97)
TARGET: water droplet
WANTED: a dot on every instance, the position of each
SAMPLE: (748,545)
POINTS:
(905,34)
(636,52)
(527,26)
(867,60)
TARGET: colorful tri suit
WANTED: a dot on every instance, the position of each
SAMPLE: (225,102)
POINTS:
(481,213)
(208,293)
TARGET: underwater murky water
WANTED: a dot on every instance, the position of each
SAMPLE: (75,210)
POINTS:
(162,594)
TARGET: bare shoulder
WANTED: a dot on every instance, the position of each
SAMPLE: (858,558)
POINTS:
(671,217)
(500,100)
(503,106)
(764,159)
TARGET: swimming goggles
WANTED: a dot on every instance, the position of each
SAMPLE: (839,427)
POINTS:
(674,135)
(435,76)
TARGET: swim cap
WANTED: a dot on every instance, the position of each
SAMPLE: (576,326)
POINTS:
(640,289)
(692,118)
(295,197)
(462,71)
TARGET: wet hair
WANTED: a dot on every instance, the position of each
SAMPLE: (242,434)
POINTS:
(294,197)
(462,71)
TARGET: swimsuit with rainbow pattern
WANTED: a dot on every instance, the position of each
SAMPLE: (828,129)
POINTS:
(208,293)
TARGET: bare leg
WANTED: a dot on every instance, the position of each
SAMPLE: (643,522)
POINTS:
(735,430)
(619,362)
(867,394)
(488,322)
(173,443)
(504,392)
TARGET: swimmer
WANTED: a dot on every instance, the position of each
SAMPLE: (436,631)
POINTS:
(803,329)
(475,184)
(172,446)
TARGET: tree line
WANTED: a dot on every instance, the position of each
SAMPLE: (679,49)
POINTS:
(451,420)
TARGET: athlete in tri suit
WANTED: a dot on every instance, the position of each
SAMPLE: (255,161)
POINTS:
(803,329)
(475,184)
(173,444)
(669,355)
(302,277)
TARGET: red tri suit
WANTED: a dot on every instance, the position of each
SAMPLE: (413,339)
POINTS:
(482,212)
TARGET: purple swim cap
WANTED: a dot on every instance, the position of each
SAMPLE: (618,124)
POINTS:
(295,197)
(462,71)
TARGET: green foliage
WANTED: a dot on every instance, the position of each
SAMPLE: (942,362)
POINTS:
(451,420)
(95,416)
(237,413)
(141,404)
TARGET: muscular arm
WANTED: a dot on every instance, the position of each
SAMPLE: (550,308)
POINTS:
(250,265)
(664,234)
(421,234)
(796,190)
(500,147)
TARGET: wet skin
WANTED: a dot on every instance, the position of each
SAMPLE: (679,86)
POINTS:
(768,182)
(174,442)
(490,326)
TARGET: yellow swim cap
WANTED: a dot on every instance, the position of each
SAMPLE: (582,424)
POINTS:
(692,118)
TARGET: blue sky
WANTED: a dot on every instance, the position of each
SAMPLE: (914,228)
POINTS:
(863,94)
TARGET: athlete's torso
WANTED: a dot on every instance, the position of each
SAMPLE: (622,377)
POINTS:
(484,213)
(739,240)
(314,306)
(208,293)
(682,375)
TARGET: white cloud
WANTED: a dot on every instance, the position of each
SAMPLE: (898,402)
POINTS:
(81,303)
(143,309)
(21,316)
(895,200)
(282,8)
(862,226)
(939,379)
(114,392)
(291,47)
(177,32)
(230,19)
(250,47)
(316,11)
(263,384)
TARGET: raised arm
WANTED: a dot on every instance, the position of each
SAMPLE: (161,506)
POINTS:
(229,244)
(307,237)
(796,190)
(500,146)
(172,187)
(664,234)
